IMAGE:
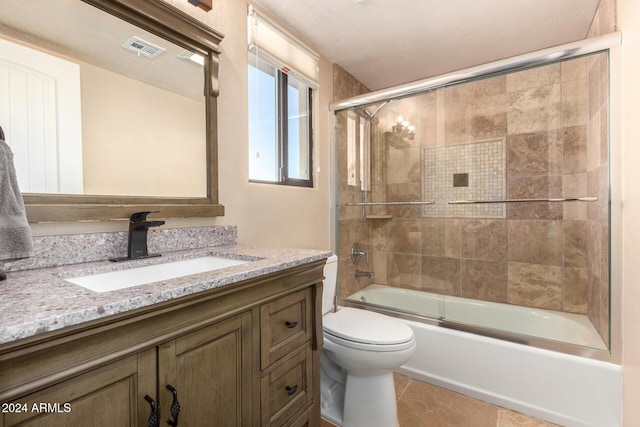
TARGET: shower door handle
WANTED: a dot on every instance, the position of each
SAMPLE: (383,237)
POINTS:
(429,202)
(559,199)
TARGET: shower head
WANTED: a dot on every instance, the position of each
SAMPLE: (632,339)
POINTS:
(370,116)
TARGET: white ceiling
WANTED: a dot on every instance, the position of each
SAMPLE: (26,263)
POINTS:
(384,43)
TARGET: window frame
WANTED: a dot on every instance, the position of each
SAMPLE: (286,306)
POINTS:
(282,130)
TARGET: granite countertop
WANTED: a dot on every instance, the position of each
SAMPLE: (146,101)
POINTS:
(40,300)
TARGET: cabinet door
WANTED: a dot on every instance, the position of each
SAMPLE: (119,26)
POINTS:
(112,395)
(210,369)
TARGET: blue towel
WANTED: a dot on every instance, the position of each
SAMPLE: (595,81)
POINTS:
(15,234)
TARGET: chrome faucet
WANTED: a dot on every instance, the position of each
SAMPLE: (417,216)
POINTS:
(137,246)
(357,253)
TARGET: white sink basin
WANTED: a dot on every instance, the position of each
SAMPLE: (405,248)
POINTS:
(121,279)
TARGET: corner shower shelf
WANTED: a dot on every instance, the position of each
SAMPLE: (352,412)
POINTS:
(364,216)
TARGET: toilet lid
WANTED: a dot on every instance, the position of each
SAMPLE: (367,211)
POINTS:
(366,327)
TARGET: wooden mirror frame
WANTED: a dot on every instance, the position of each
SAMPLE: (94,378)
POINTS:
(164,20)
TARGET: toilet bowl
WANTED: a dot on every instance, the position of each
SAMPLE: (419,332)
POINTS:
(361,349)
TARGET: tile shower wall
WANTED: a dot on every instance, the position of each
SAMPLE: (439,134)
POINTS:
(482,167)
(597,167)
(604,22)
(351,227)
(551,125)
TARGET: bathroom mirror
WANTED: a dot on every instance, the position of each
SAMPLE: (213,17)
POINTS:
(140,106)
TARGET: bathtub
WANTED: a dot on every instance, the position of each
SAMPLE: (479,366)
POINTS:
(561,388)
(525,321)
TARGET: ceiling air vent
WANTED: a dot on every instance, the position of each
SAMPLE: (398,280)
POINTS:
(142,47)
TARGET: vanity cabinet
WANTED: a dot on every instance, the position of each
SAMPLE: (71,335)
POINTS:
(246,354)
(107,396)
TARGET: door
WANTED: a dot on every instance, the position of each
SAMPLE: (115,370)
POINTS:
(41,116)
(112,395)
(210,371)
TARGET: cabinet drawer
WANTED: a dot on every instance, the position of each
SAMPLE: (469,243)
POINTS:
(302,420)
(286,325)
(287,388)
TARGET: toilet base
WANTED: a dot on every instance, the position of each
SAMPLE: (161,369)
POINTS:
(332,379)
(366,401)
(370,401)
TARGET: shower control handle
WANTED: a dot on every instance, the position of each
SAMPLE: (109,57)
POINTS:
(357,253)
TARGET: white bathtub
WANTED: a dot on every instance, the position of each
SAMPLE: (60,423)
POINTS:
(547,324)
(557,387)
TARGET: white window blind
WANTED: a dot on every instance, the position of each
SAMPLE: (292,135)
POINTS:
(271,43)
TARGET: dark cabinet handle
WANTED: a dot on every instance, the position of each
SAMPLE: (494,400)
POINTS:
(290,325)
(291,390)
(153,417)
(175,407)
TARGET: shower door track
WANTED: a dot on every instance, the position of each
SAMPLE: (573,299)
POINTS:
(539,57)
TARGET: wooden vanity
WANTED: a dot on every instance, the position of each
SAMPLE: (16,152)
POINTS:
(242,354)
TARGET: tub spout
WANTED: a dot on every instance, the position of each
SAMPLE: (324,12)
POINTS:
(367,274)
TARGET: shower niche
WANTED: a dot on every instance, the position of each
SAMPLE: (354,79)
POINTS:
(484,205)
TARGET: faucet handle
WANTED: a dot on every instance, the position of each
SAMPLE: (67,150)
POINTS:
(141,216)
(356,253)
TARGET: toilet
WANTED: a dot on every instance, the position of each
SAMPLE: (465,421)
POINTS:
(361,349)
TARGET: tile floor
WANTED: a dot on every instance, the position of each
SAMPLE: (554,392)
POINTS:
(424,405)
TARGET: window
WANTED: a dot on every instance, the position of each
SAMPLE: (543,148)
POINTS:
(280,106)
(280,137)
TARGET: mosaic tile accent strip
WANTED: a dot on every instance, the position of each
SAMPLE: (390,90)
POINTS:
(484,164)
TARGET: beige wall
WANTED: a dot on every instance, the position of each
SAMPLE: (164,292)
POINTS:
(138,139)
(629,24)
(264,214)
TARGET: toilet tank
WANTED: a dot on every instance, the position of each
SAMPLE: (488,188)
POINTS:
(329,284)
